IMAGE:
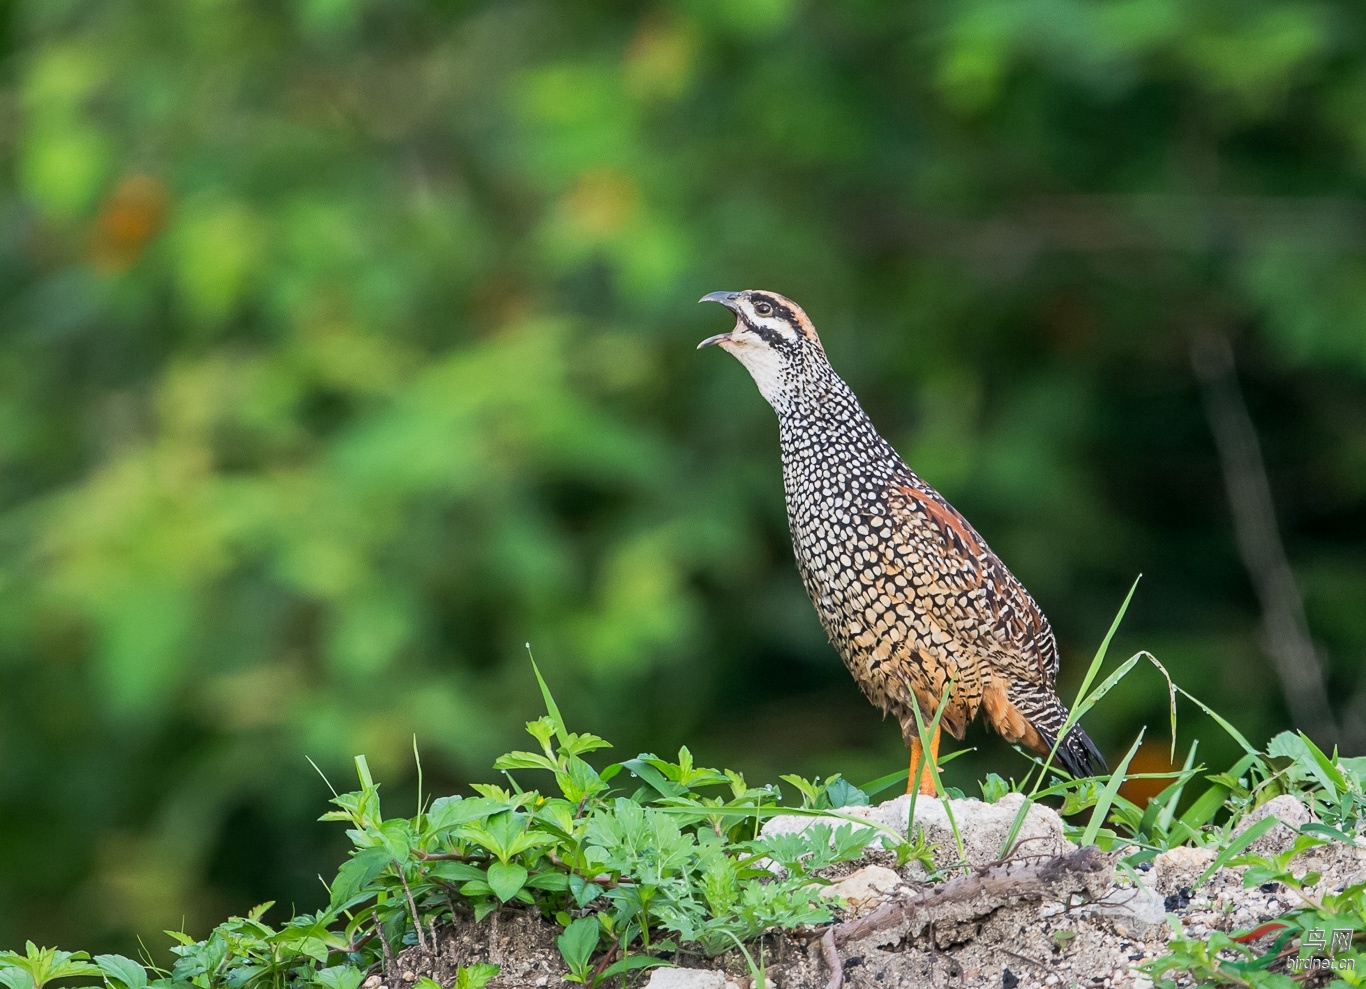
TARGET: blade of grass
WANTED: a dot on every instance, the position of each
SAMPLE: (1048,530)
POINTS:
(1233,733)
(1237,846)
(925,733)
(873,787)
(1099,657)
(417,758)
(322,774)
(551,708)
(1084,701)
(1168,812)
(1107,796)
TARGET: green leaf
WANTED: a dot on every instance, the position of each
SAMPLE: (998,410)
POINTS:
(455,872)
(1322,767)
(553,881)
(876,786)
(632,963)
(340,977)
(475,976)
(652,776)
(125,971)
(993,788)
(577,944)
(397,836)
(449,812)
(42,965)
(505,879)
(525,760)
(839,792)
(14,977)
(356,874)
(805,787)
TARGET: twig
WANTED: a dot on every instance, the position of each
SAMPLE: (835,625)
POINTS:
(1285,629)
(356,944)
(1024,958)
(384,945)
(449,857)
(607,881)
(412,908)
(831,953)
(602,964)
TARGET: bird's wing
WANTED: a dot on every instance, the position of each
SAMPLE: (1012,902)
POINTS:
(965,589)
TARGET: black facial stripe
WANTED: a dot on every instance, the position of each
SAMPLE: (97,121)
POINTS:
(769,335)
(781,311)
(774,338)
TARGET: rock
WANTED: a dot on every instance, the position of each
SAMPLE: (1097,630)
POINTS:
(689,978)
(1134,911)
(1179,868)
(983,827)
(1290,811)
(864,888)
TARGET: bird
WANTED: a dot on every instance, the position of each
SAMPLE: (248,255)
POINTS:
(922,612)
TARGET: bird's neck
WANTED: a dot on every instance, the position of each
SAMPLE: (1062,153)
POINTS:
(825,432)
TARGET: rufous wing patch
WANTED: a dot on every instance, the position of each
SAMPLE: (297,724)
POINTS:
(1006,719)
(948,521)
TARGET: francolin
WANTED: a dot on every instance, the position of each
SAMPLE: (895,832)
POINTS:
(909,594)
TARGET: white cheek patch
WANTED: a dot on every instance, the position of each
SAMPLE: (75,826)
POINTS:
(765,366)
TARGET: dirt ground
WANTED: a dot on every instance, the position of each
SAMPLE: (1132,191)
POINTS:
(1025,922)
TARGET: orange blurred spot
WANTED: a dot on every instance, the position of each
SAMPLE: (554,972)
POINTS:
(132,216)
(659,62)
(602,202)
(1151,757)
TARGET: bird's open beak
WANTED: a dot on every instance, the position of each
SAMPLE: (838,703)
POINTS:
(726,299)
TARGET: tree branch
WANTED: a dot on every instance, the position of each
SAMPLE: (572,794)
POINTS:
(1285,630)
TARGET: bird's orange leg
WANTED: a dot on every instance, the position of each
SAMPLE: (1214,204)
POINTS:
(927,776)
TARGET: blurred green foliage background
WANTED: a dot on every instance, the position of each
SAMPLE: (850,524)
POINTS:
(347,346)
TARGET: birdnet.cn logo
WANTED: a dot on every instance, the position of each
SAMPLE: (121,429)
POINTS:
(1318,939)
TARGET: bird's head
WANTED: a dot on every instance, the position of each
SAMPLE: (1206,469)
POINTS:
(773,339)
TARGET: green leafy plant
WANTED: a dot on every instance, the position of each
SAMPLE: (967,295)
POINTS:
(637,858)
(648,856)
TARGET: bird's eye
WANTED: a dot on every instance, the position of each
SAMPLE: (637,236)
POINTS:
(763,308)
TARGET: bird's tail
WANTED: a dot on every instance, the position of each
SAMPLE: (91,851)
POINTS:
(1076,753)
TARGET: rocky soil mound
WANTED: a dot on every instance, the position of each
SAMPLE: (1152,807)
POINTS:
(1049,914)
